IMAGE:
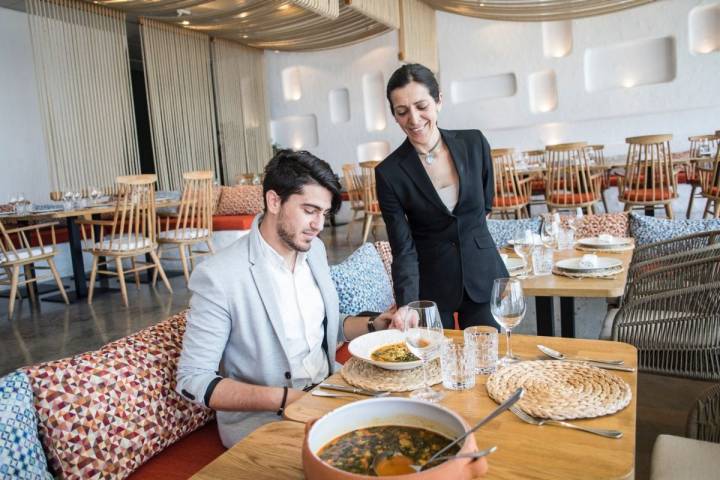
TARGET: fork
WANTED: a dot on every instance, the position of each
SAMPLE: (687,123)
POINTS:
(542,421)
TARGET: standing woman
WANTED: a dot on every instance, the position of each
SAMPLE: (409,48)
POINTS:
(435,191)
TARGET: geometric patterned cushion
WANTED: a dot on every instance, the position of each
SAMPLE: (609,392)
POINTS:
(104,413)
(362,283)
(503,231)
(615,224)
(241,200)
(385,252)
(650,229)
(21,455)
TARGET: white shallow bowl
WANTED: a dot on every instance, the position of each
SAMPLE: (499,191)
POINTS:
(363,346)
(513,263)
(603,263)
(598,243)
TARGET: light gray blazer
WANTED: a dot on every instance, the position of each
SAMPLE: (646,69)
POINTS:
(234,329)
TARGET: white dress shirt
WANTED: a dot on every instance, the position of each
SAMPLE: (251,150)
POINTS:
(302,310)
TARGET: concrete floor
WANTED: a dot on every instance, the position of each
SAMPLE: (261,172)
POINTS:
(50,331)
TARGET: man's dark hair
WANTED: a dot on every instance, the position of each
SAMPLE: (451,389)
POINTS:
(288,172)
(413,72)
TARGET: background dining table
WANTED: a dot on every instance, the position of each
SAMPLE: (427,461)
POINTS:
(524,451)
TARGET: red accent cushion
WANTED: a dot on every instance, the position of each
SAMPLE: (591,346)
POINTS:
(345,196)
(184,458)
(508,201)
(232,222)
(537,186)
(241,200)
(646,195)
(104,413)
(571,198)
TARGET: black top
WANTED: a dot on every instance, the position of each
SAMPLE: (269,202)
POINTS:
(438,253)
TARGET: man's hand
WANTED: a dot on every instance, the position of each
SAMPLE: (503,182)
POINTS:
(392,319)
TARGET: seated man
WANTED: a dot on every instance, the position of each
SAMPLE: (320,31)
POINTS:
(264,318)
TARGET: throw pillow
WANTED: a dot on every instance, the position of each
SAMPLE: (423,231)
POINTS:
(616,224)
(241,200)
(21,454)
(104,413)
(383,249)
(362,283)
(503,231)
(650,229)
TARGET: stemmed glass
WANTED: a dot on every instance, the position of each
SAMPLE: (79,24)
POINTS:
(507,304)
(550,231)
(423,336)
(522,244)
(94,194)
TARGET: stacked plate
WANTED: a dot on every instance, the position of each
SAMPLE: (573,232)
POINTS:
(605,242)
(603,267)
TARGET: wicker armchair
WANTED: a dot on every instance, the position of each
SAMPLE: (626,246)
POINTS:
(676,332)
(703,422)
(675,245)
(640,269)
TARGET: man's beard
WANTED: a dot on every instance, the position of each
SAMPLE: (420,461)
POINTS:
(288,238)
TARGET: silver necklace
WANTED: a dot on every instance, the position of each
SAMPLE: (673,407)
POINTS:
(429,157)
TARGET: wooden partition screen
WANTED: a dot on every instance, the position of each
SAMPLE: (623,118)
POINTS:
(178,79)
(418,34)
(239,74)
(82,68)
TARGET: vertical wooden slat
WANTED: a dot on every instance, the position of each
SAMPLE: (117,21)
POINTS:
(418,34)
(386,12)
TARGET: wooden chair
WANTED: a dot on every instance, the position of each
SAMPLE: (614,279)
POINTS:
(536,159)
(193,223)
(709,177)
(512,193)
(373,216)
(18,257)
(570,182)
(131,233)
(596,157)
(649,177)
(354,186)
(698,144)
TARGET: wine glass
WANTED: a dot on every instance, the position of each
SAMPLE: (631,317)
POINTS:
(550,231)
(522,244)
(94,194)
(423,337)
(507,304)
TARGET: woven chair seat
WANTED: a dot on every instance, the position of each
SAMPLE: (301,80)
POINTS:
(184,234)
(23,254)
(647,194)
(123,243)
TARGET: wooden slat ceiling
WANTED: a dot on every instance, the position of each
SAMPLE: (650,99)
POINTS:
(533,10)
(270,24)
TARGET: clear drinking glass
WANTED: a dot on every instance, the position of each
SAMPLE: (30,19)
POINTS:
(486,347)
(542,260)
(507,304)
(423,337)
(522,244)
(457,363)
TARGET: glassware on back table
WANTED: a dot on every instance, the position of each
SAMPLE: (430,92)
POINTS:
(423,337)
(522,244)
(507,304)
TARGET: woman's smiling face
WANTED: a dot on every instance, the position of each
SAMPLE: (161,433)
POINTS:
(416,111)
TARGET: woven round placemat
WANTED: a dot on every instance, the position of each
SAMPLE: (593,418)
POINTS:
(560,390)
(364,375)
(609,273)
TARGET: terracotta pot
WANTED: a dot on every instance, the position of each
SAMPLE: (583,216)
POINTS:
(389,411)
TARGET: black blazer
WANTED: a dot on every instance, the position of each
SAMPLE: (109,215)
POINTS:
(438,253)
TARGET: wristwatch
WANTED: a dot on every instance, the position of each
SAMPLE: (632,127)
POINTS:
(371,323)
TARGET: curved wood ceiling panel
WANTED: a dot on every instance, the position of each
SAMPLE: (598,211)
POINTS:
(271,24)
(532,10)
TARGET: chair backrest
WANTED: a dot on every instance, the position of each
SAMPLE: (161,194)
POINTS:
(569,174)
(134,216)
(649,168)
(194,218)
(703,422)
(682,271)
(534,157)
(369,195)
(353,185)
(507,182)
(709,173)
(701,143)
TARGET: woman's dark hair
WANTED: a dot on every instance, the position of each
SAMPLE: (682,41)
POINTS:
(288,172)
(413,72)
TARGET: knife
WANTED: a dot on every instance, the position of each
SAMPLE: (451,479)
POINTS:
(607,366)
(359,391)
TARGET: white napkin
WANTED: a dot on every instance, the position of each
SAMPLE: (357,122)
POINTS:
(605,238)
(589,261)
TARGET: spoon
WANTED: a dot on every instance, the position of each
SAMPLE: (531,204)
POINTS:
(560,356)
(503,406)
(393,463)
